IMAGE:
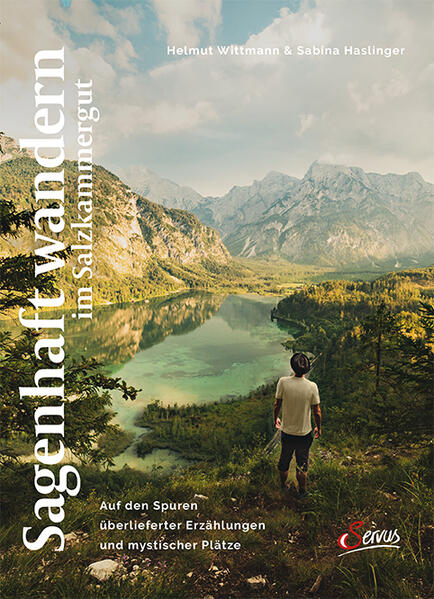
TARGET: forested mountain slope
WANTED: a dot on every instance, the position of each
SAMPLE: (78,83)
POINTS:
(139,248)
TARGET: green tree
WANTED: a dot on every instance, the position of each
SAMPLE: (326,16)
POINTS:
(375,329)
(87,389)
(413,370)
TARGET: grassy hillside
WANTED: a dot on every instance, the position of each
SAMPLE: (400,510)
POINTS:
(378,484)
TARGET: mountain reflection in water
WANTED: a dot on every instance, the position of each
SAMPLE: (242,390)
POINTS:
(208,347)
(116,333)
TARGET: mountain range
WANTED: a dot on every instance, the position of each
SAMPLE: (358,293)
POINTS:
(335,215)
(155,235)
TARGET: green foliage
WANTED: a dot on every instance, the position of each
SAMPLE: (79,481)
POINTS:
(86,414)
(375,347)
(113,441)
(11,221)
(112,203)
(86,389)
(17,273)
(209,431)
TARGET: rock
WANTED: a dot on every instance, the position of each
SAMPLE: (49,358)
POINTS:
(315,587)
(71,537)
(198,496)
(103,569)
(256,582)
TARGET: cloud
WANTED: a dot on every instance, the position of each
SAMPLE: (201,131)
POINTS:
(227,120)
(162,118)
(123,54)
(83,17)
(363,108)
(379,92)
(126,19)
(186,22)
(24,25)
(29,27)
(306,122)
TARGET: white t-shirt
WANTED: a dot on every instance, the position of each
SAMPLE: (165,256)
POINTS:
(298,394)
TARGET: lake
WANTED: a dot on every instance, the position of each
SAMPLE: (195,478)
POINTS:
(190,348)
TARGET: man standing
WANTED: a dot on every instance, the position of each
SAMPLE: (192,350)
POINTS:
(297,397)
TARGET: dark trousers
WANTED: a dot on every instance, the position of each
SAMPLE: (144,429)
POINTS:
(301,446)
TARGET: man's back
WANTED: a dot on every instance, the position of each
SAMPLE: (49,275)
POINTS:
(298,394)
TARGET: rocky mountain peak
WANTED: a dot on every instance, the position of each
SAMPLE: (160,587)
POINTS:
(325,172)
(339,215)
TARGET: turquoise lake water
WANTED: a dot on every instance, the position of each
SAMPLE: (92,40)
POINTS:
(209,347)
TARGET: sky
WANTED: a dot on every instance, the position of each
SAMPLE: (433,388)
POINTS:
(211,122)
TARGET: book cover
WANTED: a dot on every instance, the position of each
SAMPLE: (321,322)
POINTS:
(216,299)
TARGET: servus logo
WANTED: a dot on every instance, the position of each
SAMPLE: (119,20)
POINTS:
(371,539)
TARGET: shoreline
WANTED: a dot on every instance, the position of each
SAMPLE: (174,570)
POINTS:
(148,299)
